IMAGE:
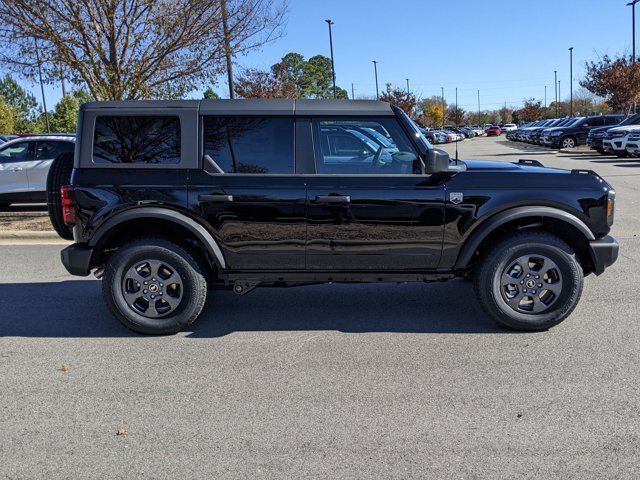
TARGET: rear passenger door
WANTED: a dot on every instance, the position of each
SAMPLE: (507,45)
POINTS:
(249,192)
(370,207)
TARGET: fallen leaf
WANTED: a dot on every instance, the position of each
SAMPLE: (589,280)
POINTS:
(64,368)
(122,431)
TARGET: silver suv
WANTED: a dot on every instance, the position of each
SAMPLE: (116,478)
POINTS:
(25,164)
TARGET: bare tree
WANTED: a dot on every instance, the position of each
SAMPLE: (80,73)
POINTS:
(130,49)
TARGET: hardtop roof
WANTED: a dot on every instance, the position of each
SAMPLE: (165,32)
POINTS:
(254,106)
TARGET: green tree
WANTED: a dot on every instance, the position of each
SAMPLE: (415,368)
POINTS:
(291,77)
(24,106)
(7,116)
(65,115)
(209,94)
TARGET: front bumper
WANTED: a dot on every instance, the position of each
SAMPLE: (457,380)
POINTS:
(594,143)
(604,253)
(77,259)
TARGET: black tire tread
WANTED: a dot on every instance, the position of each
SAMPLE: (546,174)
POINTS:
(486,269)
(199,290)
(59,175)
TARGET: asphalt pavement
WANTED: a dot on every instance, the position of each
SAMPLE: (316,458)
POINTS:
(331,381)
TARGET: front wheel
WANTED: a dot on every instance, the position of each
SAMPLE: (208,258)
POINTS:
(154,286)
(529,281)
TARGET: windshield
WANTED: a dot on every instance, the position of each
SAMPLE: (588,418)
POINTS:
(632,120)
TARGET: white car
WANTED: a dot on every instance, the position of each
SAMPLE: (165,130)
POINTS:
(633,144)
(615,140)
(24,166)
(509,127)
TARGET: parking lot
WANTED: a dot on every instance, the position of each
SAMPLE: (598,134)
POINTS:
(362,381)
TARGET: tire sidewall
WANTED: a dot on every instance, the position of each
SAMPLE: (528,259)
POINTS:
(124,259)
(572,279)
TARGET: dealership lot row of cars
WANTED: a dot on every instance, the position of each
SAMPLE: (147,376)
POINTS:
(455,134)
(606,134)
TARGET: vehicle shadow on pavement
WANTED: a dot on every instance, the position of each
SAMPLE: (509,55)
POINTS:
(75,309)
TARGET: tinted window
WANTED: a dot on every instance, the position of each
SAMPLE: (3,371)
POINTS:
(16,152)
(364,146)
(137,139)
(50,149)
(250,144)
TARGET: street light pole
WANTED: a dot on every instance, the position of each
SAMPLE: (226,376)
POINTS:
(478,107)
(559,94)
(444,111)
(44,100)
(633,41)
(353,93)
(571,81)
(408,91)
(375,69)
(545,97)
(333,68)
(555,84)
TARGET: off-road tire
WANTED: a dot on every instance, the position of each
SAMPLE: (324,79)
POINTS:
(191,271)
(59,175)
(492,265)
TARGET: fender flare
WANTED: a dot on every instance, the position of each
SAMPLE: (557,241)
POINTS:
(489,225)
(178,218)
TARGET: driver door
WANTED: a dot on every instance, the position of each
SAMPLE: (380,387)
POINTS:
(15,159)
(369,205)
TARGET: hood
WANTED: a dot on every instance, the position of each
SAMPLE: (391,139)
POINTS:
(624,128)
(506,167)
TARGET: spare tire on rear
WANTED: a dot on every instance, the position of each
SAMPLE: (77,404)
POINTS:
(59,175)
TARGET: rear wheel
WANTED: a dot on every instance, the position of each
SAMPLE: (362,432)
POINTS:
(529,281)
(154,286)
(59,175)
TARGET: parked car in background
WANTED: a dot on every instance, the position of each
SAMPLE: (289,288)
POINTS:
(24,166)
(509,127)
(575,134)
(6,138)
(633,144)
(596,135)
(616,139)
(493,131)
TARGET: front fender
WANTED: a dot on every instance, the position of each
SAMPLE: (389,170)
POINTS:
(489,225)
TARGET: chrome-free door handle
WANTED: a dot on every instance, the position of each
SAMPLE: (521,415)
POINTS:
(215,198)
(333,199)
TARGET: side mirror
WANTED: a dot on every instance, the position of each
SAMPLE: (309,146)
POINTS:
(437,161)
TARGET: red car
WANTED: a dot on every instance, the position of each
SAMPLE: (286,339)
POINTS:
(493,130)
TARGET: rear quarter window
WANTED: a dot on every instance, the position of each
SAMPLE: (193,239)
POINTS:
(137,139)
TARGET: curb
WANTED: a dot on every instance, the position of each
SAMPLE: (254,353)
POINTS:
(575,151)
(28,235)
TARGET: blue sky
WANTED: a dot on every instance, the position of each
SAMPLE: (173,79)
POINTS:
(506,48)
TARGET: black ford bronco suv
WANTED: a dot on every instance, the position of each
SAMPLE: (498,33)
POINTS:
(171,199)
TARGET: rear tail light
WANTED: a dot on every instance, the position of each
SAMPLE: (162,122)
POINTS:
(68,205)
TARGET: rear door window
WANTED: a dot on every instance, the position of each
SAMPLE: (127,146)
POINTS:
(50,149)
(251,145)
(137,139)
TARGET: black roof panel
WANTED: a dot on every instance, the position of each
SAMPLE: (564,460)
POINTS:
(256,106)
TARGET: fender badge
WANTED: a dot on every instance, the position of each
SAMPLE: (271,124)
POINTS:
(456,197)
